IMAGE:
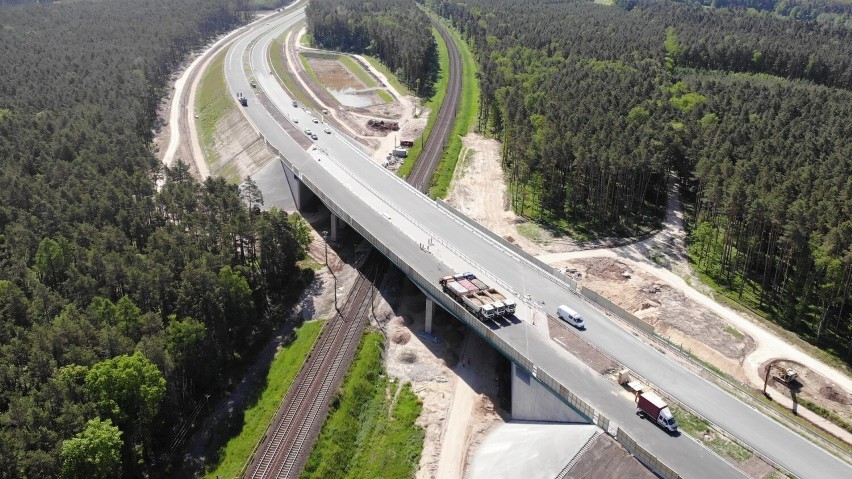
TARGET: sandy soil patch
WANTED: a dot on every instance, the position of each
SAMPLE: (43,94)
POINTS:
(333,74)
(456,394)
(479,190)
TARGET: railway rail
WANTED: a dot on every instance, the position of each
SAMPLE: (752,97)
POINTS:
(284,448)
(423,171)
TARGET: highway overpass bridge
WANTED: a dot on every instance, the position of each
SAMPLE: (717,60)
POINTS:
(427,241)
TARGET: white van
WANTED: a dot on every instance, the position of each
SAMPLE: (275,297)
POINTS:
(570,316)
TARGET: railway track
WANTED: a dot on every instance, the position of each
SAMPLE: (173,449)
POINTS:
(423,171)
(284,449)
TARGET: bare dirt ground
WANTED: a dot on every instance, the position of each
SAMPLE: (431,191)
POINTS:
(353,120)
(456,388)
(633,277)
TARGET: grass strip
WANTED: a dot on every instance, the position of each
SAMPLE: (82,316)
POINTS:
(307,65)
(434,104)
(385,96)
(368,434)
(278,61)
(465,119)
(356,69)
(281,373)
(392,79)
(700,429)
(212,103)
(826,413)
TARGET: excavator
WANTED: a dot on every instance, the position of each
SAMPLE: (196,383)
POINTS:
(786,376)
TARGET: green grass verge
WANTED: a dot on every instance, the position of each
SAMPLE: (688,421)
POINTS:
(277,59)
(826,413)
(212,103)
(530,231)
(734,332)
(235,454)
(385,96)
(307,65)
(356,69)
(392,79)
(465,120)
(700,429)
(368,433)
(434,104)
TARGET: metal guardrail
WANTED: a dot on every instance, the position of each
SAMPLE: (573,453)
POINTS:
(567,396)
(462,314)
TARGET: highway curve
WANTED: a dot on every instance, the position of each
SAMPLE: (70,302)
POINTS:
(424,169)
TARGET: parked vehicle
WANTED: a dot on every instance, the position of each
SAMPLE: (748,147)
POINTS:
(406,143)
(570,316)
(652,406)
(314,136)
(477,297)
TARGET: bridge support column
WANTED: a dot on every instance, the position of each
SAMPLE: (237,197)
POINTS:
(301,194)
(332,231)
(430,309)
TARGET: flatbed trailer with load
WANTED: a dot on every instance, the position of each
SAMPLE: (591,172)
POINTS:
(477,297)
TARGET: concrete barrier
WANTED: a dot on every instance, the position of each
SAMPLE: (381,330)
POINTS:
(431,289)
(608,305)
(554,272)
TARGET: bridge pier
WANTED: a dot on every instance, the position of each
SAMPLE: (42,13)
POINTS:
(533,402)
(430,309)
(302,195)
(332,230)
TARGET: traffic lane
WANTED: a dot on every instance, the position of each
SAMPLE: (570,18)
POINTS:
(234,59)
(680,452)
(524,271)
(601,318)
(582,378)
(729,413)
(750,426)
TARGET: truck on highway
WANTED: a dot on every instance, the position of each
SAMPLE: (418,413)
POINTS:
(652,406)
(477,297)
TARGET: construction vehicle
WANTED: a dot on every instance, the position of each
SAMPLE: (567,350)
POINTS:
(786,376)
(383,125)
(652,406)
(477,297)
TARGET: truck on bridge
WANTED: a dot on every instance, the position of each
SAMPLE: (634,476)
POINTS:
(477,297)
(650,405)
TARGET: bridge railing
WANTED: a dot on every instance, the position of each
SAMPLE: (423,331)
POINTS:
(457,310)
(551,272)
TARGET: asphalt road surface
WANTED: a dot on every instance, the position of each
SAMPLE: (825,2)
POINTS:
(402,217)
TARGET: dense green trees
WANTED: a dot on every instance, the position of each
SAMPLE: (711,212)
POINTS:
(597,105)
(93,453)
(395,31)
(121,306)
